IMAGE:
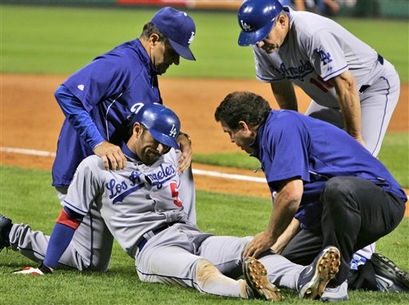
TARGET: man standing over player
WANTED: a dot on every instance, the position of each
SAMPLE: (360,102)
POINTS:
(140,205)
(352,86)
(99,99)
(319,176)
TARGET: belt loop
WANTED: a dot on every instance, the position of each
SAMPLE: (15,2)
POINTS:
(363,88)
(380,59)
(148,235)
(145,237)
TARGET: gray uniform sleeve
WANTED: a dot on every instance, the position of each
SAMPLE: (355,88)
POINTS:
(86,185)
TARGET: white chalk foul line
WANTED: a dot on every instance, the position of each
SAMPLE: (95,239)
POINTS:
(23,151)
(43,153)
(228,176)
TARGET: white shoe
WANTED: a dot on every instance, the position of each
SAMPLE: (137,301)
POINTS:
(339,293)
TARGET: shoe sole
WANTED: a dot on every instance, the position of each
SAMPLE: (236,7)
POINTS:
(256,277)
(385,267)
(326,268)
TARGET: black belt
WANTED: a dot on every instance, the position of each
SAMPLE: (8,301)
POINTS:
(364,87)
(143,241)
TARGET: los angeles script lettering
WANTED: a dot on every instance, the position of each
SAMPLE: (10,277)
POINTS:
(157,178)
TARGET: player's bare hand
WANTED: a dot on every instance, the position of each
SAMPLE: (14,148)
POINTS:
(260,243)
(185,159)
(111,155)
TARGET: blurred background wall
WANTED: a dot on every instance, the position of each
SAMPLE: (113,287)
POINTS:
(353,8)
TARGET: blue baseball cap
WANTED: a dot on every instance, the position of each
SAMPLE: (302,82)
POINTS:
(178,27)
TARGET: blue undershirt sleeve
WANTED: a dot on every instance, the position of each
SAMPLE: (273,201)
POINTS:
(59,241)
(79,118)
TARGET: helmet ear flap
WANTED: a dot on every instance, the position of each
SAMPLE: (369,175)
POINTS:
(256,19)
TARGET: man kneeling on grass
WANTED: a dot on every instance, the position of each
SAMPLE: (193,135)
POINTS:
(328,189)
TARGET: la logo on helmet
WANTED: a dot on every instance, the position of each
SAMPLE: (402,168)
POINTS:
(245,26)
(173,131)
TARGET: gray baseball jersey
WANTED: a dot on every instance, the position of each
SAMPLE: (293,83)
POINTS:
(132,201)
(91,246)
(318,49)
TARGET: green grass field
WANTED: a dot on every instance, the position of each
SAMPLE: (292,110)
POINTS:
(58,40)
(26,197)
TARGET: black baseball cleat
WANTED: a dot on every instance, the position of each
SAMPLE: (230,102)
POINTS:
(314,278)
(5,226)
(256,277)
(385,268)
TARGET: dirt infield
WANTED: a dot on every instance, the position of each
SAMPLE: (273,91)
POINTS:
(30,119)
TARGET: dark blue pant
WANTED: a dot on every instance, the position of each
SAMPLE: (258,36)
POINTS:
(355,213)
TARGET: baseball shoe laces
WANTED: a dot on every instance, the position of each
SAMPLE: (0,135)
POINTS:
(256,277)
(314,278)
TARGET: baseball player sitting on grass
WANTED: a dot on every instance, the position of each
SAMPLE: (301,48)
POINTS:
(98,99)
(141,207)
(327,188)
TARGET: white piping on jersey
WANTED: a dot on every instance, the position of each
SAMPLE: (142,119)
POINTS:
(378,140)
(106,115)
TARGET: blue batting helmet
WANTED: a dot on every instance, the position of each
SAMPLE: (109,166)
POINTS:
(162,123)
(256,19)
